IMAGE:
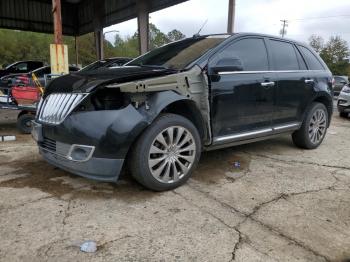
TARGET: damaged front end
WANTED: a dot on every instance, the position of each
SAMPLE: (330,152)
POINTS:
(87,123)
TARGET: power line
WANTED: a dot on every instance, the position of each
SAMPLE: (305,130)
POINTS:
(320,17)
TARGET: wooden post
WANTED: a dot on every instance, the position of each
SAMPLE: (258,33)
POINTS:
(57,21)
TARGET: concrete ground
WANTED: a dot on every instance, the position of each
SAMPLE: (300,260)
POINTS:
(281,204)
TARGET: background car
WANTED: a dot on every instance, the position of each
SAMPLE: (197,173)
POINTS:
(21,67)
(344,101)
(26,78)
(340,82)
(106,63)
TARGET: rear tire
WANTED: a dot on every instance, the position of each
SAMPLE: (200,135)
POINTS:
(314,128)
(166,154)
(24,123)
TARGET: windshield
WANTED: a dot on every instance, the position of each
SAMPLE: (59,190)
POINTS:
(179,54)
(9,66)
(95,65)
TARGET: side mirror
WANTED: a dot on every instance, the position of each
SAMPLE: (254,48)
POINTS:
(228,65)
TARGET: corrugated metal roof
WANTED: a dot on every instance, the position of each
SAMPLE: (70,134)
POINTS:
(77,16)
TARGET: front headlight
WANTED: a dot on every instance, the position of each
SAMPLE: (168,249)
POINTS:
(346,89)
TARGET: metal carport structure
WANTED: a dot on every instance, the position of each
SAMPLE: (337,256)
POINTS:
(80,16)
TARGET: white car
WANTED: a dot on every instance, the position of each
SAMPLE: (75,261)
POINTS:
(344,101)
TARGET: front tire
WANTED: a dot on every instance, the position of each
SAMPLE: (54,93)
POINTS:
(166,154)
(314,128)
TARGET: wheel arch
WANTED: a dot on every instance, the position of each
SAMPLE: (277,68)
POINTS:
(171,102)
(189,110)
(24,112)
(327,102)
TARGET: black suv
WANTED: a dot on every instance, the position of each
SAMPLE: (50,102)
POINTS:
(21,67)
(159,112)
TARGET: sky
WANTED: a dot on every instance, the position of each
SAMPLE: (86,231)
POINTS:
(305,17)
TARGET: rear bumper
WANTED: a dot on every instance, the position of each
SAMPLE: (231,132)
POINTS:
(344,109)
(101,169)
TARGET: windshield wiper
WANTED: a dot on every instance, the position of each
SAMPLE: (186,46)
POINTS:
(160,67)
(154,66)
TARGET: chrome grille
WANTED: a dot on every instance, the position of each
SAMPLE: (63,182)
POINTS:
(56,107)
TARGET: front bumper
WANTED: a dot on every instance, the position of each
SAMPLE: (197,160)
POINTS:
(101,169)
(343,102)
(108,134)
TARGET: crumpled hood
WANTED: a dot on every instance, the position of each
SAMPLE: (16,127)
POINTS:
(86,82)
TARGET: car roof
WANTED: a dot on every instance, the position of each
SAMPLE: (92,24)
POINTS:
(253,34)
(26,61)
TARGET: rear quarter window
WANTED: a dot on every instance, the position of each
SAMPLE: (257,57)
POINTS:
(311,60)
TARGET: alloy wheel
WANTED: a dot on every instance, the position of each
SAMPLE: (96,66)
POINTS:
(318,126)
(172,154)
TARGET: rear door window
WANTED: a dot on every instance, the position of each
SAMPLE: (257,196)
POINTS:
(21,67)
(311,60)
(283,55)
(251,51)
(301,60)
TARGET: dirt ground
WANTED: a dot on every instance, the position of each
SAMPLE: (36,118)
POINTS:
(281,204)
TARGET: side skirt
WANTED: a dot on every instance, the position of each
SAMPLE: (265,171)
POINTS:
(252,136)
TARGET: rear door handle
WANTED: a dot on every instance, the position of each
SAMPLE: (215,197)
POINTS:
(309,81)
(267,84)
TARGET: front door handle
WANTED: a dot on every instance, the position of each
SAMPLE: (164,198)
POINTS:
(309,81)
(267,84)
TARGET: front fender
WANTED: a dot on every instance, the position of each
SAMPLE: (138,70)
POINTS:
(156,102)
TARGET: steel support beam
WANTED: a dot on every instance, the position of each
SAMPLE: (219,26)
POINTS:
(76,47)
(98,7)
(231,16)
(57,21)
(99,44)
(143,25)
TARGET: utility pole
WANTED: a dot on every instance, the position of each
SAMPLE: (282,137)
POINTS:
(231,16)
(283,31)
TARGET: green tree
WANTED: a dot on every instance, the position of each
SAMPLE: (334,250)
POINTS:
(157,38)
(335,54)
(316,42)
(175,35)
(21,45)
(128,47)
